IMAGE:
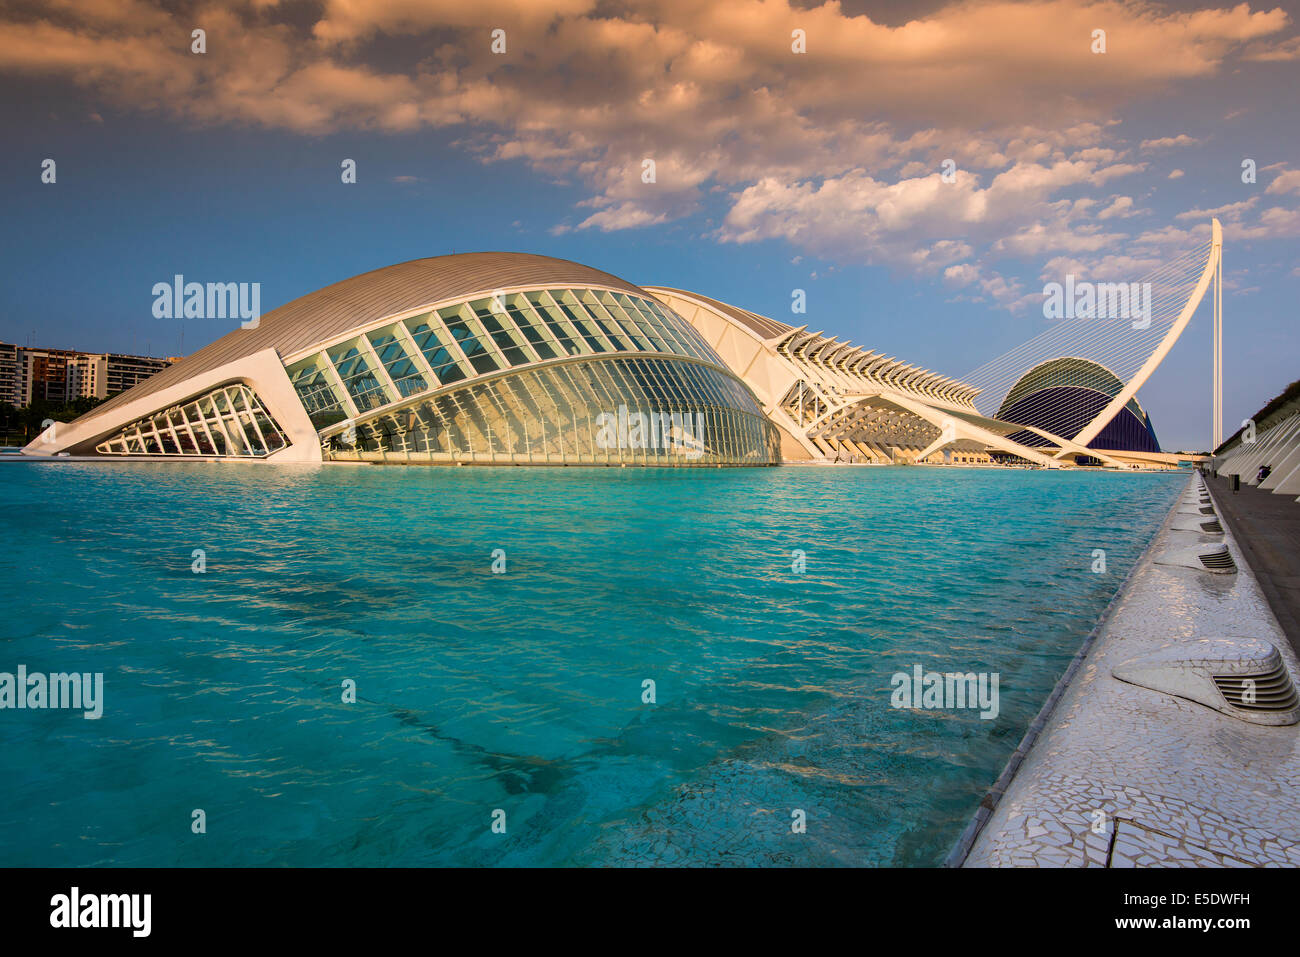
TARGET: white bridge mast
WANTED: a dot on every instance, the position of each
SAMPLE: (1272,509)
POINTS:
(1217,385)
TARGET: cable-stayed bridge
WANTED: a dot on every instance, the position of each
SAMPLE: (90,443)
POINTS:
(1066,397)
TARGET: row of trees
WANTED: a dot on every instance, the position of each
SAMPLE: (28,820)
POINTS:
(18,426)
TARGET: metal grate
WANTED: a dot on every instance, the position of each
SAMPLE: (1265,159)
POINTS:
(1268,691)
(1220,559)
(1207,510)
(1212,528)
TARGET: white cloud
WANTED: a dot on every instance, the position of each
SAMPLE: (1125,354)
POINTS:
(1168,142)
(1120,208)
(837,152)
(1287,182)
(1227,210)
(962,274)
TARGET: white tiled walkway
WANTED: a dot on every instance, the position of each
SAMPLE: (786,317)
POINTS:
(1124,776)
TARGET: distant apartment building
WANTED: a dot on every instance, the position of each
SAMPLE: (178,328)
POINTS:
(60,375)
(8,373)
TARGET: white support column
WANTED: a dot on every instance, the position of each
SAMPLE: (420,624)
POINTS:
(1217,403)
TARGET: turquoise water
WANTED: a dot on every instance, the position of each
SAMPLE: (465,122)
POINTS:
(522,691)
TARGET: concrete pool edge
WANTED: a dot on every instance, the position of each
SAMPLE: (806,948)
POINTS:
(1127,775)
(961,850)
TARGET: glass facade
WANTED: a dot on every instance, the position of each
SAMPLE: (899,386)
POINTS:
(1065,372)
(1063,395)
(229,422)
(392,388)
(356,369)
(632,410)
(314,381)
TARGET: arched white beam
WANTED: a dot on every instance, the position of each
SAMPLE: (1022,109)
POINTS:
(960,429)
(1067,446)
(1093,428)
(1061,443)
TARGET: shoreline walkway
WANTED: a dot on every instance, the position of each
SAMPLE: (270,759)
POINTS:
(1267,529)
(1122,775)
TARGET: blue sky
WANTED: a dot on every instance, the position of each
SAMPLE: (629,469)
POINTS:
(775,171)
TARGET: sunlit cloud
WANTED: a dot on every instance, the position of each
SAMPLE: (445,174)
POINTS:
(836,151)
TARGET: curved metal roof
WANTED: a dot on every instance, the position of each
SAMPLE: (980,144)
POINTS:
(764,327)
(365,299)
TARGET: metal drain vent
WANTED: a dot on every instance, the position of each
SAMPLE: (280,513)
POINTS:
(1212,558)
(1272,691)
(1207,509)
(1218,560)
(1242,677)
(1212,528)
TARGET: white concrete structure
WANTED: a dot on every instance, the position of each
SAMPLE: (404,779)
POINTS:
(833,401)
(1080,377)
(1167,771)
(480,358)
(1135,382)
(1241,677)
(1273,443)
(509,358)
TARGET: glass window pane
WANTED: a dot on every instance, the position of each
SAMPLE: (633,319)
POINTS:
(427,339)
(401,368)
(649,328)
(471,339)
(531,327)
(560,327)
(357,376)
(502,333)
(630,328)
(613,332)
(315,387)
(671,332)
(686,334)
(581,321)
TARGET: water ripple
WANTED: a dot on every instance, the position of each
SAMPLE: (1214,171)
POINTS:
(523,691)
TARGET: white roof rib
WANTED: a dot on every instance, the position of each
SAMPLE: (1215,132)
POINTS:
(866,357)
(799,346)
(823,350)
(786,336)
(364,300)
(879,366)
(815,348)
